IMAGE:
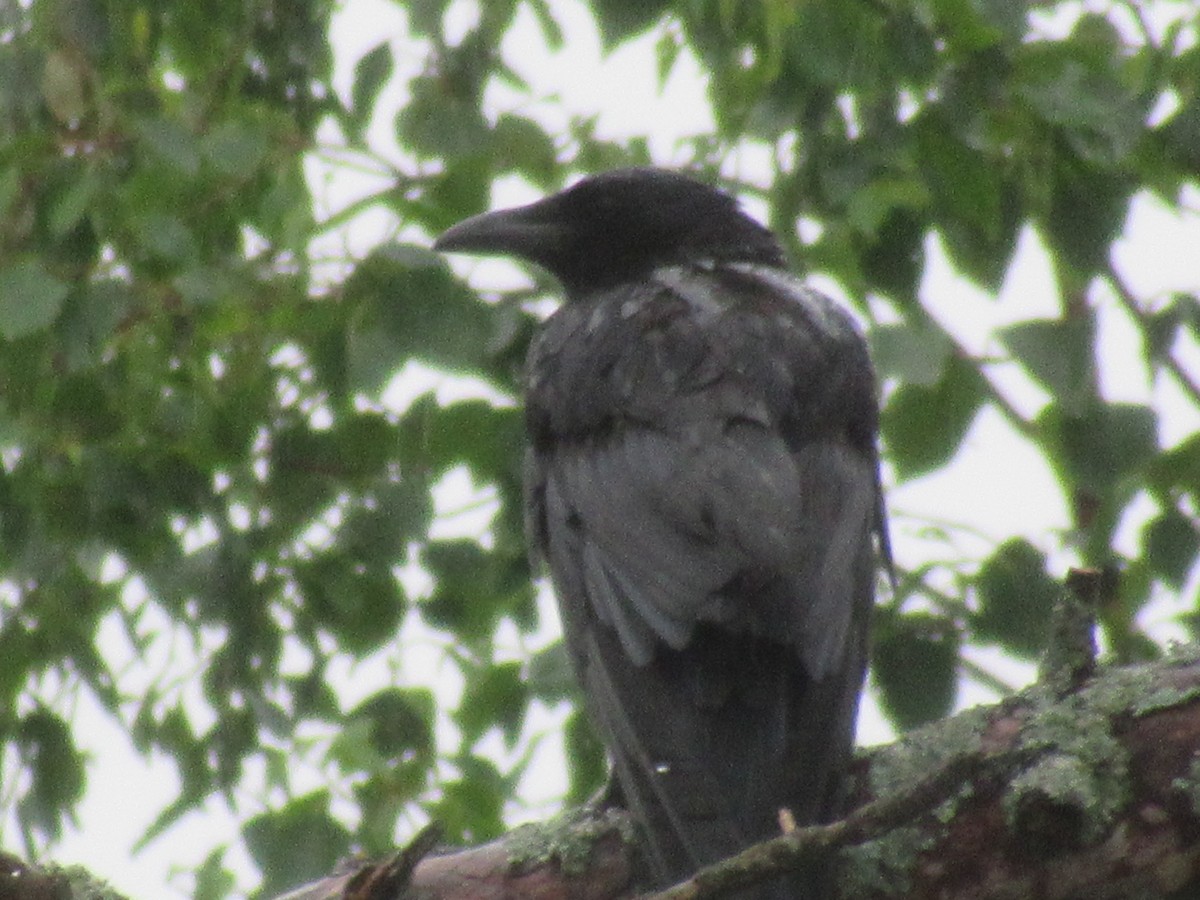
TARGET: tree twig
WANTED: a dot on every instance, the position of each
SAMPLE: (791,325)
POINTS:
(1130,304)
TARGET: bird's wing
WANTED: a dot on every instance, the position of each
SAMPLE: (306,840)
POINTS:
(743,532)
(686,499)
(712,729)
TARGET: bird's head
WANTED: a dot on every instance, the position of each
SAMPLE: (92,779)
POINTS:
(615,227)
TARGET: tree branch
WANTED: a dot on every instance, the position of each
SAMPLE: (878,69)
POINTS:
(1068,789)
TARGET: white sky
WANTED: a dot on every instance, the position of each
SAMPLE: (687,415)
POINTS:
(997,484)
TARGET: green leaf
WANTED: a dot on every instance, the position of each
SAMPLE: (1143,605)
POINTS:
(923,426)
(202,284)
(587,762)
(873,204)
(383,798)
(1016,599)
(474,588)
(667,49)
(170,143)
(10,180)
(166,237)
(621,19)
(299,493)
(312,696)
(1181,134)
(1171,544)
(213,880)
(915,666)
(91,317)
(443,120)
(16,645)
(470,809)
(237,738)
(1178,467)
(235,148)
(463,189)
(284,213)
(353,749)
(64,87)
(497,696)
(1101,447)
(1079,92)
(521,145)
(915,353)
(409,306)
(73,204)
(1161,327)
(1058,353)
(485,437)
(401,723)
(30,299)
(48,751)
(550,675)
(167,818)
(1087,208)
(425,16)
(371,73)
(355,449)
(378,530)
(890,254)
(551,31)
(975,26)
(296,844)
(973,202)
(362,606)
(84,408)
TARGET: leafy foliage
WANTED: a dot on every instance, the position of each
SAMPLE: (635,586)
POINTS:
(209,512)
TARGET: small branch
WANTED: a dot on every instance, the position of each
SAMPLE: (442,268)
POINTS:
(983,677)
(1070,657)
(1130,304)
(791,852)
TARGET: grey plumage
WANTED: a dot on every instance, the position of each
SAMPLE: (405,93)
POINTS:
(702,480)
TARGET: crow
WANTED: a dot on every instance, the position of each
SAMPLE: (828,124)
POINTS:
(702,479)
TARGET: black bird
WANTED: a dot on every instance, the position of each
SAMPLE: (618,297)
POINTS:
(702,478)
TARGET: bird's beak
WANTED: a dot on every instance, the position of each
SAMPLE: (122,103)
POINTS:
(530,232)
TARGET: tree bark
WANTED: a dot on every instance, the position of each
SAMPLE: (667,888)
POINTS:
(1084,786)
(1088,788)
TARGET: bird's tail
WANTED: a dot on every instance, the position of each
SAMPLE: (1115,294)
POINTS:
(710,742)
